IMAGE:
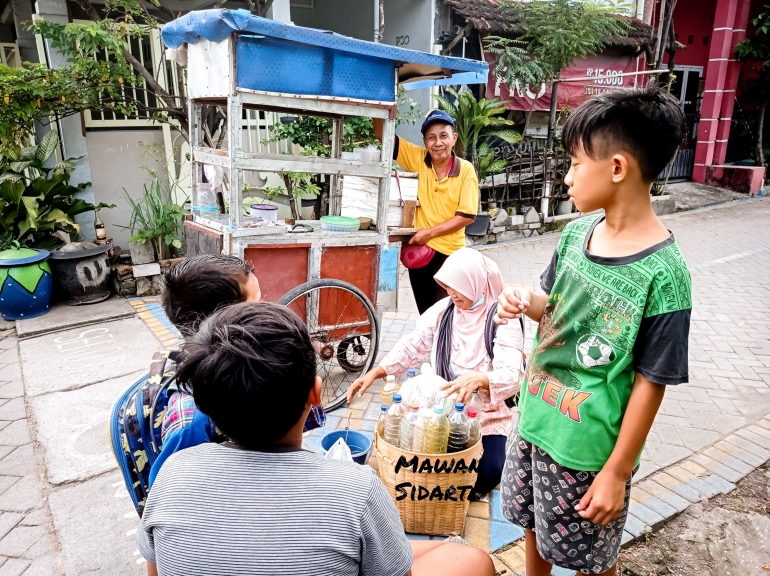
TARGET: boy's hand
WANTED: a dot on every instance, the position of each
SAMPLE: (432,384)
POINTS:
(605,498)
(512,303)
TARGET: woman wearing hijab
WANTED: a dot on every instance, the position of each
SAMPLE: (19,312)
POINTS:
(458,335)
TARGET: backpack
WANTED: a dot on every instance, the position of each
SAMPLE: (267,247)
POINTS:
(136,420)
(444,345)
(136,425)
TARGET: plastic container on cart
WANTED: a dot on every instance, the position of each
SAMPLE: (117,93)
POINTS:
(340,224)
(205,202)
(264,211)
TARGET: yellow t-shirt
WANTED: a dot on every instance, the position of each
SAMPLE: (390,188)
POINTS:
(440,200)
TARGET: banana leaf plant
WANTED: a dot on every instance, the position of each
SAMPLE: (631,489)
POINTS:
(475,118)
(37,201)
(488,164)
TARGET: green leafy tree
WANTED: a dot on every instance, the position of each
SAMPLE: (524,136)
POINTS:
(553,33)
(35,93)
(475,118)
(36,202)
(756,51)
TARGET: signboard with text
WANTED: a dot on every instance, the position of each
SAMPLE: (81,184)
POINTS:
(604,69)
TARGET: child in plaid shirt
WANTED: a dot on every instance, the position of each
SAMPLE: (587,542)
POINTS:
(195,289)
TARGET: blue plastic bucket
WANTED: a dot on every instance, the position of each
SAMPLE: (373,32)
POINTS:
(360,444)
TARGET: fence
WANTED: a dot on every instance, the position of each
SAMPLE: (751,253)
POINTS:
(530,176)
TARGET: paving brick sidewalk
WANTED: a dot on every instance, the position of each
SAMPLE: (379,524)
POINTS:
(26,544)
(709,433)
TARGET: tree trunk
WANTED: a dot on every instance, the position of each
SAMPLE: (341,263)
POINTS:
(664,32)
(552,117)
(760,153)
(292,200)
(381,33)
(659,39)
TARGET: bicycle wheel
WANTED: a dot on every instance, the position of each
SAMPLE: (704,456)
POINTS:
(344,330)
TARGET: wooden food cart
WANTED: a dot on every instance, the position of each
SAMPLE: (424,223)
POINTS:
(240,61)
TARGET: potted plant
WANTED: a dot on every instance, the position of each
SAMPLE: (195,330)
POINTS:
(154,224)
(263,210)
(37,203)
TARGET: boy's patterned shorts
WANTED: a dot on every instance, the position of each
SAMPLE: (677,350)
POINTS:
(540,495)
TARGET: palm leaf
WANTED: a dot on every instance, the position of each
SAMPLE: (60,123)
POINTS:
(20,166)
(496,166)
(510,136)
(46,148)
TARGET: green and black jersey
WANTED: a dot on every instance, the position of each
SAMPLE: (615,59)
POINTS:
(605,320)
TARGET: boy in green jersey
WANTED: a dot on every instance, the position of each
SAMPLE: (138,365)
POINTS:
(613,331)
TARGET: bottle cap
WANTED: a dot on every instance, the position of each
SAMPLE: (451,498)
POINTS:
(411,373)
(384,407)
(459,406)
(438,409)
(396,397)
(472,412)
(390,378)
(414,406)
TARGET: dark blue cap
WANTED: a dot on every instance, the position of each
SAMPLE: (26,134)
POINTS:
(436,116)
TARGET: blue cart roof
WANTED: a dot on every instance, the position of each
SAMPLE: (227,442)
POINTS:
(414,66)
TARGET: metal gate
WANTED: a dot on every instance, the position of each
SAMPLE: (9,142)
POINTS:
(681,166)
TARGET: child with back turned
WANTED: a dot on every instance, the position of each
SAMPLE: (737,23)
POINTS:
(258,503)
(613,331)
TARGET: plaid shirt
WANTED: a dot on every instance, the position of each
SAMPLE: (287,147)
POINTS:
(181,409)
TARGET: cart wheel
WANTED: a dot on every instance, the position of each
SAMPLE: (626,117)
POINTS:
(353,352)
(344,330)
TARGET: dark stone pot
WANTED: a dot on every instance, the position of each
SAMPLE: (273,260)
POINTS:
(480,226)
(82,272)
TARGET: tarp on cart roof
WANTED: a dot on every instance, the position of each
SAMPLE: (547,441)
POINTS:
(413,66)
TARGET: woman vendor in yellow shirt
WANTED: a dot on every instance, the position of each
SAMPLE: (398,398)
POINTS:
(448,193)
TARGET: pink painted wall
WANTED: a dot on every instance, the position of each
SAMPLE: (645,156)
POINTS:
(694,21)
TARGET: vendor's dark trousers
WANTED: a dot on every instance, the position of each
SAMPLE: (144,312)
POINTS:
(491,464)
(426,290)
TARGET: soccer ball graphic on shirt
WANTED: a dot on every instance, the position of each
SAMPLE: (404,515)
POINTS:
(593,350)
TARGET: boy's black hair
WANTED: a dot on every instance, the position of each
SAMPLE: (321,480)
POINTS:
(250,368)
(647,122)
(198,286)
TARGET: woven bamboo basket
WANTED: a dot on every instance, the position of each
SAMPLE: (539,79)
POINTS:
(428,512)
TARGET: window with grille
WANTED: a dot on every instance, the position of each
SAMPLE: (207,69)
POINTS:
(149,51)
(9,55)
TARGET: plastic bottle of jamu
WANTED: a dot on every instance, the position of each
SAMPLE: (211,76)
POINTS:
(381,420)
(474,402)
(474,432)
(437,432)
(393,422)
(388,390)
(418,445)
(459,430)
(407,427)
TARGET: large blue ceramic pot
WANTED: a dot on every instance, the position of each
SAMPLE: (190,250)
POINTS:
(25,283)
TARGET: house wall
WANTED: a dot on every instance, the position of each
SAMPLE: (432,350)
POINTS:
(116,158)
(354,19)
(694,26)
(409,24)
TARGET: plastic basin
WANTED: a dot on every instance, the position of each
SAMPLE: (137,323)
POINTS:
(360,444)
